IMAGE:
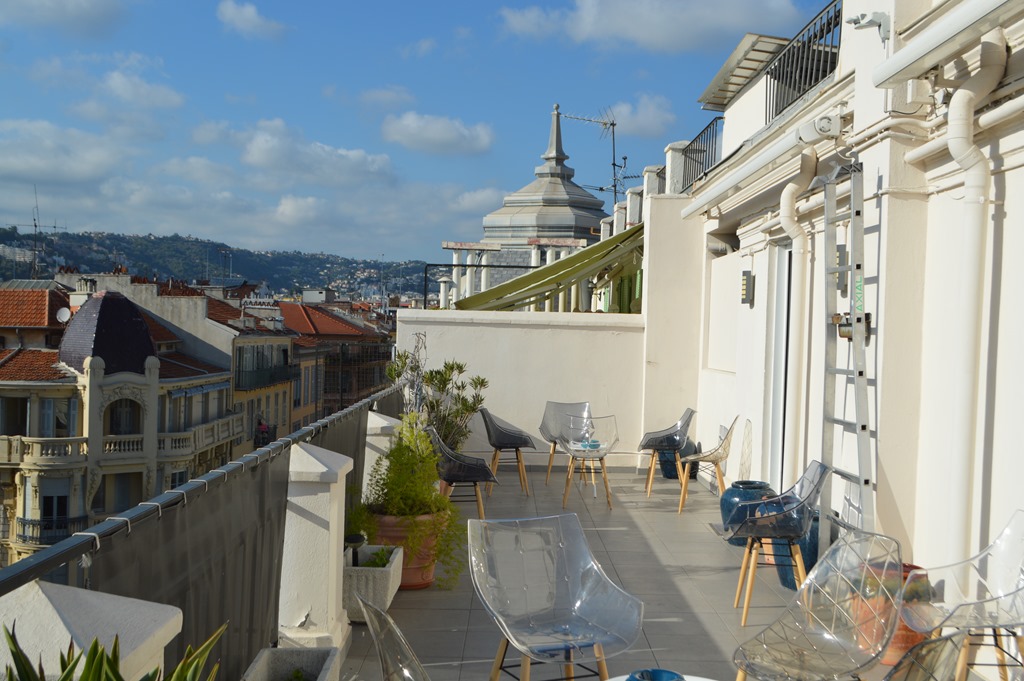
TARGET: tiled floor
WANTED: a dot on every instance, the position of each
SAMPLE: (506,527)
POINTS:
(685,574)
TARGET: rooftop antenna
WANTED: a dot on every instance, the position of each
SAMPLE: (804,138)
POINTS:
(607,123)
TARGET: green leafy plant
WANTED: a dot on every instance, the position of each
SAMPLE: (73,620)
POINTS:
(99,665)
(404,483)
(379,558)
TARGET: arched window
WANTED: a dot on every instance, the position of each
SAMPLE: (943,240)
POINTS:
(125,417)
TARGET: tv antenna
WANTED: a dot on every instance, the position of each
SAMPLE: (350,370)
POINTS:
(607,123)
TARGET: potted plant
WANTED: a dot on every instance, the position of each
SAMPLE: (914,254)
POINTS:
(374,572)
(872,589)
(411,511)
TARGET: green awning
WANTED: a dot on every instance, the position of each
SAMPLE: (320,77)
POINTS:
(540,283)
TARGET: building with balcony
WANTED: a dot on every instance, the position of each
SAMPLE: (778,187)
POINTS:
(113,415)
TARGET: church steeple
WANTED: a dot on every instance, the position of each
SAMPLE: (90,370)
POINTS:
(555,156)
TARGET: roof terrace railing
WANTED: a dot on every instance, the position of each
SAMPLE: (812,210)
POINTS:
(807,60)
(702,154)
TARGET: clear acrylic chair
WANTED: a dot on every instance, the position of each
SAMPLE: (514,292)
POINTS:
(503,436)
(840,621)
(671,439)
(459,470)
(933,659)
(984,592)
(587,440)
(552,423)
(779,522)
(552,601)
(398,662)
(712,458)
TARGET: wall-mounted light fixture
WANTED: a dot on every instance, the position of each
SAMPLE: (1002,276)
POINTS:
(747,288)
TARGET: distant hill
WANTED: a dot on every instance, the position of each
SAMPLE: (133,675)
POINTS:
(188,258)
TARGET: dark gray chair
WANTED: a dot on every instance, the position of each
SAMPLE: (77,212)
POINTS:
(503,436)
(457,470)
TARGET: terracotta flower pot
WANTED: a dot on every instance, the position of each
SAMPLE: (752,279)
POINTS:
(870,630)
(418,566)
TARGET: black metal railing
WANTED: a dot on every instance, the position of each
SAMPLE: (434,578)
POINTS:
(702,153)
(253,379)
(807,60)
(46,531)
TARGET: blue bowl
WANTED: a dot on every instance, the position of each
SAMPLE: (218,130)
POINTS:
(655,675)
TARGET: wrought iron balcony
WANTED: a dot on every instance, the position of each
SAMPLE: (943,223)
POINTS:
(48,531)
(702,153)
(807,60)
(254,379)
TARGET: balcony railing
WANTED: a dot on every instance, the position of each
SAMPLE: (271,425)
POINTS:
(40,450)
(807,60)
(702,153)
(254,379)
(123,444)
(49,530)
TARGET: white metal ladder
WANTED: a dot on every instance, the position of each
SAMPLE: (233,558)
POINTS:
(844,278)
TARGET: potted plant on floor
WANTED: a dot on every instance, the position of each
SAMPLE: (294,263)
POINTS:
(872,590)
(411,511)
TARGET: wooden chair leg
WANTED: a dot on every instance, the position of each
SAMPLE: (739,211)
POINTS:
(524,669)
(499,659)
(750,581)
(741,675)
(720,478)
(479,500)
(523,480)
(650,471)
(684,486)
(799,570)
(962,661)
(1000,654)
(570,667)
(602,666)
(743,572)
(551,461)
(568,481)
(494,470)
(607,487)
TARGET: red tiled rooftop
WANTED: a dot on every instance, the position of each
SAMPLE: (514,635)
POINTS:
(157,331)
(29,365)
(312,321)
(31,308)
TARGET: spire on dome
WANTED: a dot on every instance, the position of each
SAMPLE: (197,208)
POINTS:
(555,156)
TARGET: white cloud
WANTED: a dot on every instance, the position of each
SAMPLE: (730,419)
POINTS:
(665,26)
(34,151)
(132,89)
(479,202)
(387,97)
(88,18)
(299,210)
(245,19)
(651,116)
(211,132)
(437,134)
(199,170)
(420,48)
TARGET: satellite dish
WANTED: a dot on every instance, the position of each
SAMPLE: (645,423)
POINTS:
(63,315)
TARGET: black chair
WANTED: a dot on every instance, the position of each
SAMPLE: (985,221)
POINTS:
(460,470)
(671,439)
(503,436)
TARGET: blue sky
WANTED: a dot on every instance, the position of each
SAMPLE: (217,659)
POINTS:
(358,129)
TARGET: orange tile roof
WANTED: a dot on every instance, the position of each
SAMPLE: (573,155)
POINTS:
(313,321)
(157,331)
(31,307)
(180,365)
(30,365)
(222,312)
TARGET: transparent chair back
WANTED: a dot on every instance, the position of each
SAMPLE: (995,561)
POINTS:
(933,659)
(398,662)
(588,437)
(841,619)
(673,437)
(984,591)
(786,516)
(551,424)
(539,581)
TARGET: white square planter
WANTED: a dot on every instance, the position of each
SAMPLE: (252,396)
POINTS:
(377,585)
(280,664)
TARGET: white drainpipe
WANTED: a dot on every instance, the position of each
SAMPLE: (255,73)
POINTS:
(797,312)
(951,361)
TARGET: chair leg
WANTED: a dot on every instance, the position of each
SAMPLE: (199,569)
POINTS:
(607,487)
(568,481)
(684,484)
(523,480)
(551,461)
(499,659)
(479,500)
(750,581)
(494,470)
(743,572)
(1000,654)
(602,666)
(799,571)
(524,669)
(741,675)
(570,668)
(720,478)
(962,661)
(650,471)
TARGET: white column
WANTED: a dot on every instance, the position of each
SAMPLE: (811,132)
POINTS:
(550,255)
(535,262)
(470,285)
(564,304)
(456,274)
(485,272)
